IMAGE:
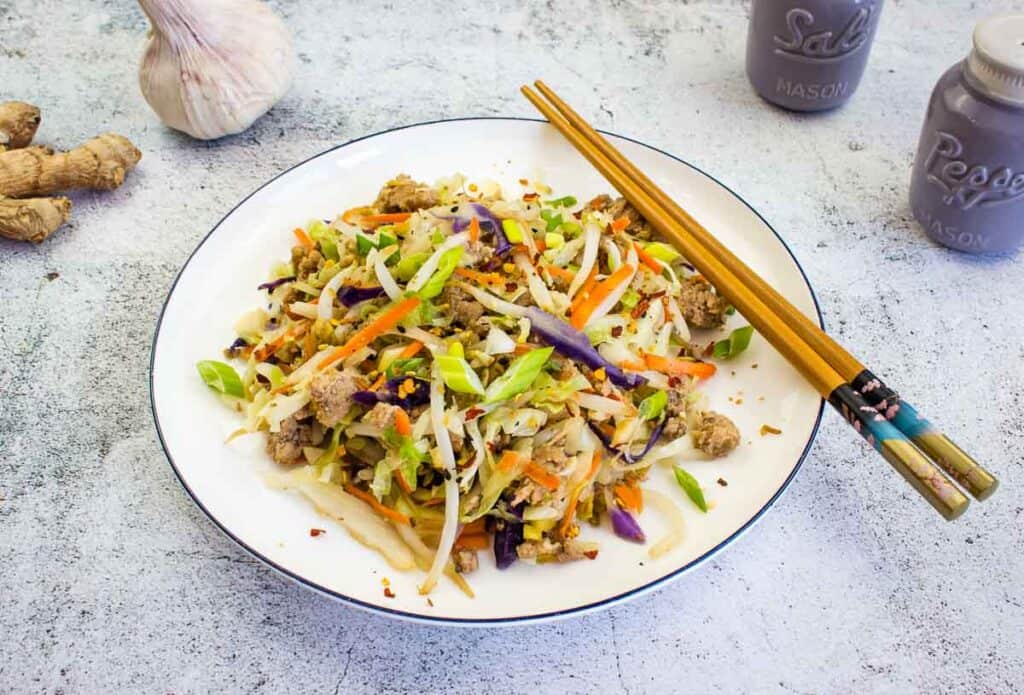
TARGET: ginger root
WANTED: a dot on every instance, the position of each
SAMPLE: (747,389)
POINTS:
(99,164)
(18,123)
(32,219)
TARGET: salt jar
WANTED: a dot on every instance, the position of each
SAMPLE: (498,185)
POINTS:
(967,187)
(809,55)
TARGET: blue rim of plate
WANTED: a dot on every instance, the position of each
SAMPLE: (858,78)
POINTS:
(480,622)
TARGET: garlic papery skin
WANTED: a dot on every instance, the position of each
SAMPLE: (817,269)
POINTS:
(212,67)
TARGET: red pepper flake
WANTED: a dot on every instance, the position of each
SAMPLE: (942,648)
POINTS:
(616,331)
(511,287)
(723,482)
(754,366)
(388,592)
(768,429)
(674,381)
(641,307)
(473,413)
(709,350)
(314,532)
(591,554)
(522,182)
(530,197)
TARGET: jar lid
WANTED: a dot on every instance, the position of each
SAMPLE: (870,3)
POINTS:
(996,65)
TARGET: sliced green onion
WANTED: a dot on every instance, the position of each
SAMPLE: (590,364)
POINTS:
(221,377)
(513,232)
(364,245)
(652,406)
(519,376)
(566,202)
(447,264)
(663,252)
(437,237)
(401,367)
(691,487)
(325,237)
(554,241)
(458,375)
(736,343)
(571,229)
(385,240)
(408,266)
(630,298)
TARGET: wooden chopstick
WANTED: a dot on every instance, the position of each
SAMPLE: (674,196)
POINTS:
(928,480)
(965,470)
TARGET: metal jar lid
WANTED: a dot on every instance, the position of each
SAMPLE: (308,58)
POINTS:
(996,65)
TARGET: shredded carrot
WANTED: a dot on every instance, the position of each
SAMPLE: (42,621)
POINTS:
(411,350)
(480,278)
(523,348)
(541,476)
(679,367)
(474,229)
(473,541)
(380,325)
(389,218)
(381,509)
(379,382)
(508,461)
(599,294)
(647,259)
(475,527)
(634,366)
(434,501)
(353,215)
(273,346)
(631,497)
(402,484)
(402,424)
(540,244)
(303,238)
(620,223)
(557,272)
(574,497)
(584,291)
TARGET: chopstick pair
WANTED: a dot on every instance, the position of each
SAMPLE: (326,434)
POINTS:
(867,404)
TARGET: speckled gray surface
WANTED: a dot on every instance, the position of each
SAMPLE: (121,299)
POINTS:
(112,581)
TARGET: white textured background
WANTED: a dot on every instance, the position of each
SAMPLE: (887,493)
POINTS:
(112,581)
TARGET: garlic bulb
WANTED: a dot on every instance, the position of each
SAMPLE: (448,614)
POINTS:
(212,67)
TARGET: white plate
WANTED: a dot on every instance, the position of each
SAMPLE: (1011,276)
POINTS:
(218,283)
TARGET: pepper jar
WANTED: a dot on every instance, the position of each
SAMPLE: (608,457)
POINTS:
(967,187)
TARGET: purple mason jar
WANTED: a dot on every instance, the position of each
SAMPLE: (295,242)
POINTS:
(967,189)
(809,55)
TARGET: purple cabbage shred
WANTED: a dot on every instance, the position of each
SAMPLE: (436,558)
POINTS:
(625,454)
(625,526)
(507,539)
(274,284)
(388,393)
(350,295)
(575,345)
